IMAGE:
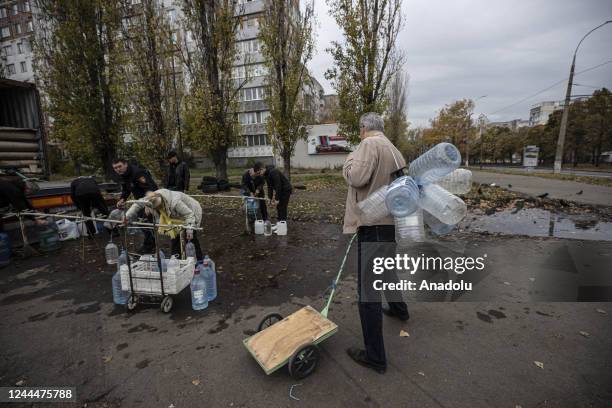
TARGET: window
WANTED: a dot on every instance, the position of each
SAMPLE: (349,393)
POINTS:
(248,46)
(252,94)
(5,32)
(20,48)
(11,69)
(255,140)
(14,9)
(253,118)
(17,28)
(26,6)
(30,26)
(7,50)
(2,12)
(24,67)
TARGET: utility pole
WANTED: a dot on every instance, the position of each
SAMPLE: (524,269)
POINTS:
(566,106)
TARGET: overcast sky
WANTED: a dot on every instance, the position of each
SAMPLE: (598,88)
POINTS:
(507,50)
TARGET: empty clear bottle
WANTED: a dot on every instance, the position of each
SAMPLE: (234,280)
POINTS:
(435,225)
(435,163)
(199,299)
(190,250)
(410,229)
(119,295)
(111,253)
(457,182)
(173,265)
(443,205)
(210,262)
(267,228)
(402,197)
(210,277)
(374,207)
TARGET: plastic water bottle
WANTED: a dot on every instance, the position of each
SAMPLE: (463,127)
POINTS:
(267,228)
(119,295)
(111,252)
(210,277)
(457,182)
(162,261)
(446,207)
(410,228)
(435,225)
(122,260)
(435,163)
(374,207)
(402,197)
(199,298)
(173,265)
(190,250)
(210,262)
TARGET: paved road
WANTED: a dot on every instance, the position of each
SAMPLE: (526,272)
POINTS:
(602,174)
(560,189)
(59,328)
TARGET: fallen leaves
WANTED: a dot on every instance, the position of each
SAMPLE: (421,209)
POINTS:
(421,373)
(107,359)
(539,364)
(584,334)
(195,382)
(404,333)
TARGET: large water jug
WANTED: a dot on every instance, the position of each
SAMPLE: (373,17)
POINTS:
(374,207)
(281,228)
(190,250)
(210,277)
(435,225)
(210,262)
(5,249)
(48,240)
(402,197)
(173,265)
(435,163)
(267,228)
(457,182)
(119,295)
(111,253)
(259,227)
(122,260)
(446,207)
(199,299)
(410,228)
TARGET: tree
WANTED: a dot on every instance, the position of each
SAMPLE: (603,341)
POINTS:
(150,81)
(286,36)
(366,60)
(454,124)
(76,58)
(396,124)
(212,103)
(600,124)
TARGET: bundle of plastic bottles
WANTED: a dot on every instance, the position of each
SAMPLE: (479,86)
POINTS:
(426,196)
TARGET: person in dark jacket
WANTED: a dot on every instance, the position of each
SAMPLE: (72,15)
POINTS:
(86,196)
(177,174)
(137,182)
(13,193)
(279,189)
(252,185)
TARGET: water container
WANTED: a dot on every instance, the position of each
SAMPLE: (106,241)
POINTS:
(435,163)
(162,261)
(173,265)
(281,228)
(5,249)
(435,225)
(48,240)
(374,207)
(402,197)
(210,277)
(122,260)
(210,262)
(458,182)
(119,296)
(410,228)
(111,253)
(199,298)
(446,207)
(190,250)
(259,227)
(267,228)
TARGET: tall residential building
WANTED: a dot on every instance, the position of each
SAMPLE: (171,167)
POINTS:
(16,31)
(513,125)
(539,113)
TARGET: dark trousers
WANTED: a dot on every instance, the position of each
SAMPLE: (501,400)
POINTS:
(148,243)
(370,308)
(86,203)
(176,246)
(283,203)
(263,209)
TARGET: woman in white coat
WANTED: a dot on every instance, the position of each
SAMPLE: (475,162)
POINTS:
(172,207)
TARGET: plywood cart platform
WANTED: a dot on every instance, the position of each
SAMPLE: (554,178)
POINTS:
(294,339)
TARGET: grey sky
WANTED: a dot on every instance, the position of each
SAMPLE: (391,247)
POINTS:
(507,50)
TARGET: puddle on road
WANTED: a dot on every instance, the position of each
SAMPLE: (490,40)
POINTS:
(541,223)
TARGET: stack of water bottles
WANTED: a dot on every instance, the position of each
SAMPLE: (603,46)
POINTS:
(424,196)
(204,281)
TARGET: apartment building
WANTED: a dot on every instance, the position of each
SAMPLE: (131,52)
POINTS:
(16,31)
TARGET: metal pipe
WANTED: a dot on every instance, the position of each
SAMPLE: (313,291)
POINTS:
(225,196)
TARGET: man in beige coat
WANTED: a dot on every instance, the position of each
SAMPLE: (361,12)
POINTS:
(373,164)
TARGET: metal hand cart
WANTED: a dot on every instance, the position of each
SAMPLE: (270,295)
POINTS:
(294,340)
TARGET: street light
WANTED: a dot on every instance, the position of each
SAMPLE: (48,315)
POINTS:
(568,93)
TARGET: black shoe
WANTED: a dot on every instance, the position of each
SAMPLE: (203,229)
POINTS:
(359,356)
(386,310)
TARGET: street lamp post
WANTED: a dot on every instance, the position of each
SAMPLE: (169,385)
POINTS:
(568,94)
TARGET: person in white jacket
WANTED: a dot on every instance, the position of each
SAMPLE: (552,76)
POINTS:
(171,207)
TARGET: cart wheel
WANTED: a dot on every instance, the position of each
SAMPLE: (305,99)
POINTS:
(166,304)
(304,361)
(132,301)
(269,320)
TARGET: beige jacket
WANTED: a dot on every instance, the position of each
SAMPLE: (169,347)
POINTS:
(177,205)
(365,170)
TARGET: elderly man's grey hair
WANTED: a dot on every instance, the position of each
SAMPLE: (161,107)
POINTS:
(372,121)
